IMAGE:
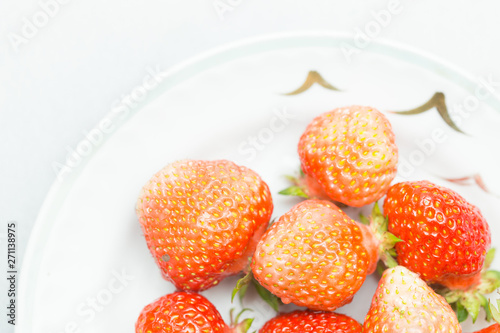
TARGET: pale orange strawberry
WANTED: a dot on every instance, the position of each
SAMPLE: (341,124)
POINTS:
(315,256)
(403,302)
(202,220)
(350,153)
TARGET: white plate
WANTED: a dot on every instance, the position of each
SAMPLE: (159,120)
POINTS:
(87,233)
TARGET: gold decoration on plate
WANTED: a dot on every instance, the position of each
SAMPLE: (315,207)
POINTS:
(437,101)
(312,78)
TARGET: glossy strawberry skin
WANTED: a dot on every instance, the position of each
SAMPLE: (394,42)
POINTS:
(180,312)
(315,256)
(311,322)
(495,328)
(405,303)
(202,220)
(351,153)
(445,238)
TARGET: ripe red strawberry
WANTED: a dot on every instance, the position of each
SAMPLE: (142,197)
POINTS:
(495,328)
(350,153)
(405,303)
(315,256)
(312,322)
(202,220)
(183,312)
(445,240)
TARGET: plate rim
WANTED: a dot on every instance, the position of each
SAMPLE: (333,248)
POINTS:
(29,271)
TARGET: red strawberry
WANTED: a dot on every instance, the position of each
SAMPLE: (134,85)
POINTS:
(202,220)
(405,303)
(183,312)
(495,328)
(350,153)
(315,256)
(312,322)
(444,239)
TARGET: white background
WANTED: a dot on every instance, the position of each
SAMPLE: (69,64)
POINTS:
(61,81)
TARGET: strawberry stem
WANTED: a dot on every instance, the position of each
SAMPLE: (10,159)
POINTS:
(305,186)
(266,295)
(242,286)
(240,327)
(294,191)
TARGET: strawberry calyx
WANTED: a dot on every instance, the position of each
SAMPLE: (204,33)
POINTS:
(378,224)
(242,286)
(239,327)
(304,186)
(470,300)
(495,311)
(295,190)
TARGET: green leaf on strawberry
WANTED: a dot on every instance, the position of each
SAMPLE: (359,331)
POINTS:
(488,260)
(236,325)
(378,224)
(495,311)
(267,296)
(462,313)
(243,284)
(473,299)
(294,191)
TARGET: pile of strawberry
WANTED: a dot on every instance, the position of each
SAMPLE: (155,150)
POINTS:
(206,220)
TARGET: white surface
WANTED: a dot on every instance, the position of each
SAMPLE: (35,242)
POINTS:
(225,113)
(91,53)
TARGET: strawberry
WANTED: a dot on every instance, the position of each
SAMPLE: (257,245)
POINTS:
(185,312)
(315,256)
(495,328)
(348,155)
(405,303)
(312,322)
(202,220)
(445,240)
